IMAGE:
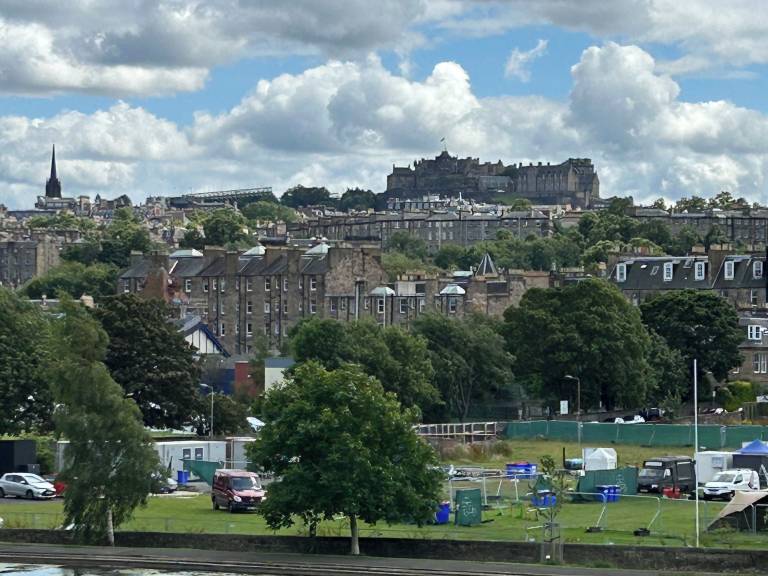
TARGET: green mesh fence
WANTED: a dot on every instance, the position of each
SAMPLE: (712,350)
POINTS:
(711,436)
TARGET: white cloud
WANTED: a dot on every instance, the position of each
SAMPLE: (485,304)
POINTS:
(518,61)
(344,123)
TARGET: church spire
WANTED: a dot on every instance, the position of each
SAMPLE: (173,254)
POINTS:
(52,185)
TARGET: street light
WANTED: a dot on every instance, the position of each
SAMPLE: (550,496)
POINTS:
(578,404)
(211,395)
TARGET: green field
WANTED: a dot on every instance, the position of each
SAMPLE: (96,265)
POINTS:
(504,520)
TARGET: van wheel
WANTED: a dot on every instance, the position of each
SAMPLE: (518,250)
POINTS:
(215,504)
(230,507)
(2,493)
(29,495)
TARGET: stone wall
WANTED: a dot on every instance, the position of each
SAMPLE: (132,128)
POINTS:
(627,557)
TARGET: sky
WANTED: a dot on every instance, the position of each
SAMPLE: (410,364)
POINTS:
(163,97)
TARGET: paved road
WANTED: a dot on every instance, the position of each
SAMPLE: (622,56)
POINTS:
(275,563)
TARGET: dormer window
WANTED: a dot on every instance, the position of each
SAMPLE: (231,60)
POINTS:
(621,272)
(699,271)
(754,332)
(757,269)
(728,270)
(668,270)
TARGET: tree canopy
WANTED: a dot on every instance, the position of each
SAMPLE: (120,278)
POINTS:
(472,364)
(398,359)
(357,199)
(148,357)
(339,444)
(25,398)
(269,212)
(698,324)
(73,278)
(586,330)
(300,196)
(224,226)
(109,461)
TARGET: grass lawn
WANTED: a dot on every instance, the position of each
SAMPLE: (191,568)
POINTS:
(515,521)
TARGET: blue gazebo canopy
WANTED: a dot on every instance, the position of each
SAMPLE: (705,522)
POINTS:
(756,447)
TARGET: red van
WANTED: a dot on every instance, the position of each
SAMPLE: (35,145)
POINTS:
(236,490)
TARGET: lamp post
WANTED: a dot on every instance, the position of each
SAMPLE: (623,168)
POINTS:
(209,387)
(578,404)
(696,438)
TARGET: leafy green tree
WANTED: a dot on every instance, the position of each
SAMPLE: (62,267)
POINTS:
(736,394)
(698,324)
(656,231)
(300,196)
(25,399)
(714,235)
(586,330)
(692,204)
(229,415)
(472,364)
(659,203)
(669,375)
(449,256)
(408,244)
(192,239)
(75,279)
(269,212)
(62,221)
(87,252)
(396,264)
(224,226)
(520,204)
(263,196)
(398,359)
(150,359)
(110,460)
(683,241)
(339,444)
(125,234)
(357,199)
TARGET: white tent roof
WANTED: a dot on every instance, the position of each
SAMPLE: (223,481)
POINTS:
(739,502)
(599,458)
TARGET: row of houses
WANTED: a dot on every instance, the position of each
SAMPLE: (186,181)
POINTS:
(742,279)
(261,293)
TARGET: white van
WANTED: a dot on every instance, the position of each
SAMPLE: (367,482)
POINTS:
(726,483)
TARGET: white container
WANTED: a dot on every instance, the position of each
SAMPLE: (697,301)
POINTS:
(710,462)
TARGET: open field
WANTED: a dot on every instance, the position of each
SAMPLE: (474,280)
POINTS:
(505,519)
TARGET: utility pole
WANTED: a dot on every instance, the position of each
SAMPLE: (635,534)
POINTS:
(578,404)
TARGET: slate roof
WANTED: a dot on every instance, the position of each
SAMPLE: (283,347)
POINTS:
(312,265)
(743,276)
(216,268)
(187,267)
(648,273)
(139,270)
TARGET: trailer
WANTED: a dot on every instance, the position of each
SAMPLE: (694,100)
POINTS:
(710,462)
(172,453)
(236,451)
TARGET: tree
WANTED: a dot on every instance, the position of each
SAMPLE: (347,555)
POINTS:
(88,252)
(75,279)
(229,415)
(25,398)
(408,244)
(357,199)
(660,204)
(339,444)
(692,204)
(587,330)
(683,241)
(150,359)
(269,212)
(110,461)
(519,204)
(396,264)
(449,256)
(470,360)
(300,196)
(224,226)
(125,235)
(396,358)
(192,239)
(698,324)
(668,371)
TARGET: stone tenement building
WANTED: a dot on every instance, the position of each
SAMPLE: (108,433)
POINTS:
(573,182)
(436,229)
(740,278)
(269,289)
(24,256)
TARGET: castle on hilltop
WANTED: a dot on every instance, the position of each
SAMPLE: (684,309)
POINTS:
(573,182)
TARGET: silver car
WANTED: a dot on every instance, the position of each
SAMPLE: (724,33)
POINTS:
(23,485)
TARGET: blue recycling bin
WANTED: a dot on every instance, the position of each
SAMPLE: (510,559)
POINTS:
(609,492)
(544,499)
(443,514)
(182,477)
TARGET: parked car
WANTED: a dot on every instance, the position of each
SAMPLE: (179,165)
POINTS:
(163,485)
(236,490)
(25,485)
(725,484)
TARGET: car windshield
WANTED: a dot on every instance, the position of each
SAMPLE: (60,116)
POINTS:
(245,483)
(724,477)
(650,473)
(34,479)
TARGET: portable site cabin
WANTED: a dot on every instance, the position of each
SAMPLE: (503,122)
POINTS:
(755,457)
(599,459)
(236,455)
(172,453)
(710,462)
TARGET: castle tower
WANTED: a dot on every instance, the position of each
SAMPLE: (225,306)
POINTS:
(52,185)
